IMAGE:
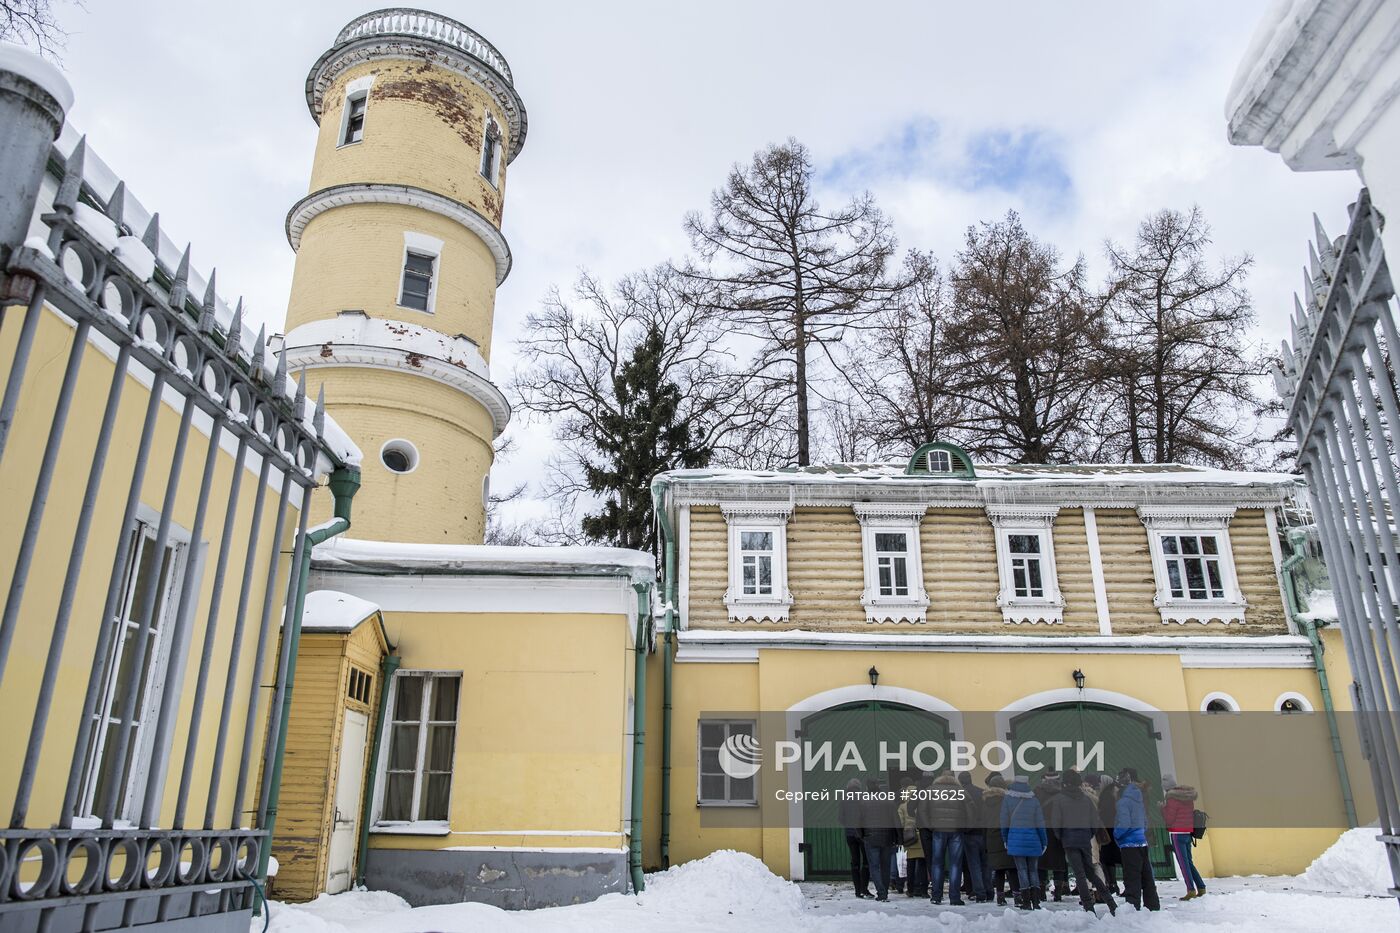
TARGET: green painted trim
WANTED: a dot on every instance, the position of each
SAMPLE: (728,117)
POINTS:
(659,487)
(387,669)
(963,469)
(639,745)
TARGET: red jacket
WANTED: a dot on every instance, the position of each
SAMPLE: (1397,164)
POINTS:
(1179,810)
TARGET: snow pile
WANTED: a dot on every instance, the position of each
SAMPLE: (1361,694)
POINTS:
(137,257)
(722,884)
(1322,607)
(98,225)
(329,912)
(1355,864)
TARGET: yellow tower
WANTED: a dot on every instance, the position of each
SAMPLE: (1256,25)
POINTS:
(399,253)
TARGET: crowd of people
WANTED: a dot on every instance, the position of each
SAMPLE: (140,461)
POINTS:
(983,841)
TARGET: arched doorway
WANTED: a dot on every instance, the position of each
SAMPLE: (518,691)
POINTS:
(866,725)
(1130,740)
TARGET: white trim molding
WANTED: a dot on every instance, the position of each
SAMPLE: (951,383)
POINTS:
(318,202)
(1296,697)
(901,518)
(1091,534)
(1221,696)
(770,517)
(1164,521)
(1035,521)
(359,88)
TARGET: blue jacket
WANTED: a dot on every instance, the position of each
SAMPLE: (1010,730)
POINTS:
(1130,820)
(1022,821)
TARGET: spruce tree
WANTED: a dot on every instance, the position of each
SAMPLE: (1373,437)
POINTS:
(639,437)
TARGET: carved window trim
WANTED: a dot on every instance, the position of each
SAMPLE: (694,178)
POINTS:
(763,517)
(1037,521)
(1167,521)
(898,518)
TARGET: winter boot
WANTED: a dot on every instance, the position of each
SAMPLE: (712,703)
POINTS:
(1112,907)
(1189,896)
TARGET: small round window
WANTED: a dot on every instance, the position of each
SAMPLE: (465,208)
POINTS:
(399,456)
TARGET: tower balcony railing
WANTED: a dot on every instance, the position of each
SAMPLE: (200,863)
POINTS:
(403,21)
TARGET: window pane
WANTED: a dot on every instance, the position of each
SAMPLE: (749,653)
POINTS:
(145,579)
(1209,545)
(885,582)
(420,264)
(445,691)
(1190,545)
(711,734)
(398,797)
(440,747)
(750,575)
(403,748)
(709,761)
(1174,578)
(1169,545)
(1217,586)
(765,574)
(712,787)
(1195,578)
(436,789)
(741,728)
(741,788)
(756,540)
(890,541)
(1037,586)
(901,577)
(1024,544)
(1018,578)
(408,698)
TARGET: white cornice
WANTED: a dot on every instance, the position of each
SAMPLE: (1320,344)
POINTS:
(403,360)
(778,512)
(318,202)
(1191,516)
(1022,514)
(890,513)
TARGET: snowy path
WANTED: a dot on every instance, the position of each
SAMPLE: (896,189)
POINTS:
(729,893)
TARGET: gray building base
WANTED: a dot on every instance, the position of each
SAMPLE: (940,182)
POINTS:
(512,879)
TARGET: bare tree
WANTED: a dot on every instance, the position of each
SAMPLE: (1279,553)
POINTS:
(781,269)
(1019,346)
(31,22)
(902,370)
(1180,375)
(578,357)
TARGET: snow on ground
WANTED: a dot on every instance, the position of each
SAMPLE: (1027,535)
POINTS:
(1355,864)
(733,892)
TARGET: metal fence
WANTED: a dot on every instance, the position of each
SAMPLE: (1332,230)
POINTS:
(1338,375)
(108,863)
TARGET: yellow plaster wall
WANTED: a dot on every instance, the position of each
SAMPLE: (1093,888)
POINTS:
(351,258)
(18,470)
(542,729)
(440,502)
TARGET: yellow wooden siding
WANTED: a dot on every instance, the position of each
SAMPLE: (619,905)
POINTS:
(708,567)
(1254,565)
(1075,576)
(313,736)
(1127,572)
(960,570)
(825,571)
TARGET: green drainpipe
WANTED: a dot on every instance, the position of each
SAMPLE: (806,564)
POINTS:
(344,483)
(1309,627)
(387,668)
(639,721)
(668,538)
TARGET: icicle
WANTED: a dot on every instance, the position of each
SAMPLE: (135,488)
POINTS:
(233,341)
(67,197)
(259,351)
(206,310)
(180,287)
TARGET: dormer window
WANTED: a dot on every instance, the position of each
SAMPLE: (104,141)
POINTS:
(943,460)
(940,461)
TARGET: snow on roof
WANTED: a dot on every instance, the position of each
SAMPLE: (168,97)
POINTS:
(26,64)
(996,474)
(330,611)
(460,351)
(395,556)
(1322,607)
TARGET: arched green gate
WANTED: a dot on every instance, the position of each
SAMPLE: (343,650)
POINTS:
(1130,741)
(866,724)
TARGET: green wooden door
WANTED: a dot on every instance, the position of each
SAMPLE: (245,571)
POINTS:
(866,725)
(1130,741)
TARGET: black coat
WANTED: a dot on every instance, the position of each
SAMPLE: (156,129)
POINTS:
(880,818)
(848,813)
(1075,818)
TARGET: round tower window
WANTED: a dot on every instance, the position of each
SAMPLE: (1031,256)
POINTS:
(399,456)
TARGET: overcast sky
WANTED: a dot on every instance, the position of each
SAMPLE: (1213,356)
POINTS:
(1082,116)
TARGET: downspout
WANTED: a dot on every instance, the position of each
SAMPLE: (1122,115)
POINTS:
(387,668)
(658,498)
(1309,627)
(344,483)
(639,721)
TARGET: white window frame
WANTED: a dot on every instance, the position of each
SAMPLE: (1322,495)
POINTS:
(945,455)
(355,90)
(422,245)
(1166,521)
(380,824)
(491,172)
(897,518)
(728,800)
(141,748)
(1302,701)
(1037,521)
(1218,695)
(771,517)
